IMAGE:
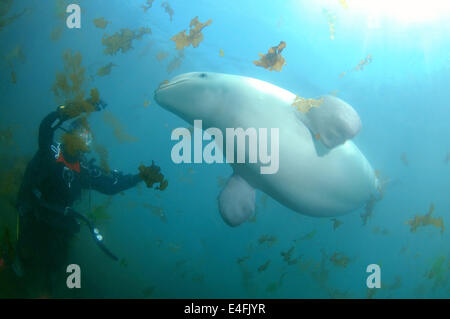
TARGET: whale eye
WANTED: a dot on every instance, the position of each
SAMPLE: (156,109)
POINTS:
(202,75)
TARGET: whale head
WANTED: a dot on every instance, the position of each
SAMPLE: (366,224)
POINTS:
(194,95)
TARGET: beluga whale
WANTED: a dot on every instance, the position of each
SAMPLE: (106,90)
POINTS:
(320,172)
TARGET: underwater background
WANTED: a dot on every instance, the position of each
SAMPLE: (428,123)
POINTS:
(174,243)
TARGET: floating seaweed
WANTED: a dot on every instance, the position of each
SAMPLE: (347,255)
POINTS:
(242,259)
(157,210)
(368,213)
(122,41)
(331,17)
(363,63)
(6,136)
(320,272)
(264,266)
(151,175)
(221,54)
(161,55)
(106,69)
(344,4)
(174,64)
(168,9)
(69,87)
(102,152)
(147,292)
(425,220)
(287,256)
(118,129)
(371,292)
(101,23)
(146,103)
(5,7)
(305,105)
(335,293)
(148,4)
(382,231)
(195,36)
(124,262)
(98,214)
(447,158)
(308,236)
(274,286)
(404,159)
(221,181)
(438,272)
(336,223)
(272,61)
(268,240)
(340,260)
(360,65)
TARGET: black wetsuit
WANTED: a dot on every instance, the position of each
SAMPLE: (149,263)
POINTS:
(51,184)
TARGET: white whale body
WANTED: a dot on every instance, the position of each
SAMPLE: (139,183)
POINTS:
(322,177)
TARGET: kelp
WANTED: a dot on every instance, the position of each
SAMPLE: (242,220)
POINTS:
(287,256)
(174,64)
(122,41)
(100,23)
(118,130)
(69,87)
(366,61)
(382,231)
(368,213)
(331,17)
(102,153)
(343,3)
(438,273)
(274,286)
(6,136)
(426,220)
(305,105)
(264,266)
(340,259)
(360,66)
(272,61)
(404,159)
(194,37)
(106,69)
(161,55)
(268,240)
(336,223)
(99,213)
(156,210)
(151,175)
(168,9)
(5,8)
(148,4)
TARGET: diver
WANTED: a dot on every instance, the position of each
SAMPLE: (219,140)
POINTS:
(53,181)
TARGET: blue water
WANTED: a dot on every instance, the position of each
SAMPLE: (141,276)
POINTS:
(402,98)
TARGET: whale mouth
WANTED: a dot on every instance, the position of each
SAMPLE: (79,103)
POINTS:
(165,84)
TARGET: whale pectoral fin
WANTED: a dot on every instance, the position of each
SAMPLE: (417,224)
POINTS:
(236,201)
(333,122)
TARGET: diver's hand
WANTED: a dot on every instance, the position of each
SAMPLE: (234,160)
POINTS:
(151,175)
(100,105)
